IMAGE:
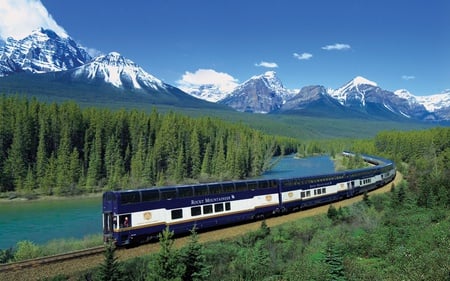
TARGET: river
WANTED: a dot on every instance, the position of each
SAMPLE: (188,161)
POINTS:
(45,220)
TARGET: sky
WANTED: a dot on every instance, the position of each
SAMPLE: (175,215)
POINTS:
(399,44)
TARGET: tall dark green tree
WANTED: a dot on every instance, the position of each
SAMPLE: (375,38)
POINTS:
(109,269)
(334,260)
(167,265)
(194,259)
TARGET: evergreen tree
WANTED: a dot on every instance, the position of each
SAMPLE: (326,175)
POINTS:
(166,266)
(334,260)
(109,269)
(366,199)
(332,213)
(194,259)
(194,155)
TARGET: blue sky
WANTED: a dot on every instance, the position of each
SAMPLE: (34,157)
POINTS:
(396,43)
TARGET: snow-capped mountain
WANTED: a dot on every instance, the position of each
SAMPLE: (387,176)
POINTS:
(354,92)
(118,71)
(45,52)
(439,104)
(435,102)
(365,95)
(260,94)
(313,100)
(208,92)
(40,52)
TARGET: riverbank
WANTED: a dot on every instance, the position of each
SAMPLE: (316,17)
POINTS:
(14,198)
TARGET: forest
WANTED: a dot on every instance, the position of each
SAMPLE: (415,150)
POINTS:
(62,149)
(400,235)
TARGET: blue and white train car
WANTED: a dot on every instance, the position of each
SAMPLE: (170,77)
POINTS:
(137,215)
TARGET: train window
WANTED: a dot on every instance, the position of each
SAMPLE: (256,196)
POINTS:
(315,192)
(185,191)
(196,211)
(324,190)
(207,209)
(177,214)
(218,207)
(241,186)
(319,191)
(308,193)
(201,190)
(252,185)
(302,194)
(273,183)
(215,189)
(227,206)
(228,187)
(130,197)
(286,183)
(168,193)
(263,184)
(125,221)
(150,195)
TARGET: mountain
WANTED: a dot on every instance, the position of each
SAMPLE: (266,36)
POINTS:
(315,101)
(40,52)
(118,71)
(55,68)
(208,92)
(438,104)
(365,96)
(260,94)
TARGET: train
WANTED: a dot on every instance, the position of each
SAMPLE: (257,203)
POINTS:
(136,216)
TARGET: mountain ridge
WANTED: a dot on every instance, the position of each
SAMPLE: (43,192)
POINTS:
(43,52)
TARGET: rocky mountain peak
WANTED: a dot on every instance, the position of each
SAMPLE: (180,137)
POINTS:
(118,71)
(41,51)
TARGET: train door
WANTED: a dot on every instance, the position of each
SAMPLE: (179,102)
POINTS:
(108,225)
(350,188)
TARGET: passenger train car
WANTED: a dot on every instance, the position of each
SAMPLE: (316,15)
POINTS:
(134,216)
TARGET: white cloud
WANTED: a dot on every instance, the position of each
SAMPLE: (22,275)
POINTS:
(267,64)
(408,77)
(303,56)
(18,18)
(223,81)
(93,52)
(337,46)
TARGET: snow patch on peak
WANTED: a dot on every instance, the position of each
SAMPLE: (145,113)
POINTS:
(405,94)
(359,80)
(435,102)
(117,70)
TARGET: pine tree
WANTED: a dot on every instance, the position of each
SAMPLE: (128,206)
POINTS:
(109,269)
(366,199)
(334,260)
(196,268)
(166,266)
(332,213)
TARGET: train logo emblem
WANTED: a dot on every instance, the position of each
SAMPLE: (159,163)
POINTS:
(290,194)
(147,216)
(268,198)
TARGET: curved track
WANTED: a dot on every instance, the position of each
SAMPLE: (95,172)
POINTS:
(74,263)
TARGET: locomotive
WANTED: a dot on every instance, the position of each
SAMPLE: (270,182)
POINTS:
(134,216)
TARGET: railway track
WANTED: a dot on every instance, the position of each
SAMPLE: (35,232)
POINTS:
(16,266)
(71,264)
